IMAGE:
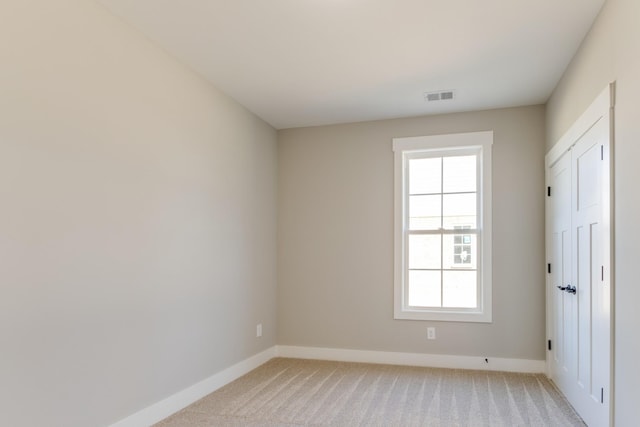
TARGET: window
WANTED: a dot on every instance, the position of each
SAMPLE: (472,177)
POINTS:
(443,227)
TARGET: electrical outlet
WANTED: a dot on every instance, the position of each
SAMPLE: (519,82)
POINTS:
(259,330)
(431,333)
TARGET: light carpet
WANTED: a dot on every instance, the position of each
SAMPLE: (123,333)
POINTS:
(294,392)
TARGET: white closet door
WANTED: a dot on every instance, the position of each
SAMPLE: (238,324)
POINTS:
(589,262)
(579,285)
(563,305)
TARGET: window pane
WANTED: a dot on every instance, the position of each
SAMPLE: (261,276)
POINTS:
(424,288)
(459,255)
(424,251)
(459,289)
(425,176)
(424,212)
(459,210)
(459,174)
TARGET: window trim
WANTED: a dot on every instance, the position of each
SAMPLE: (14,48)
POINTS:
(403,149)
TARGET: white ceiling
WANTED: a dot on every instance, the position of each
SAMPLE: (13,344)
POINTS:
(312,62)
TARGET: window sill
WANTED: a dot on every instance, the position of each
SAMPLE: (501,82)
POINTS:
(443,316)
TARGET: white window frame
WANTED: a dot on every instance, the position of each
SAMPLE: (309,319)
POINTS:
(403,149)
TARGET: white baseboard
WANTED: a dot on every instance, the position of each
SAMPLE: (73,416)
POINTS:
(414,359)
(172,404)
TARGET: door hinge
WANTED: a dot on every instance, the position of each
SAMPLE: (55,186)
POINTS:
(548,191)
(549,345)
(602,152)
(602,395)
(549,268)
(602,273)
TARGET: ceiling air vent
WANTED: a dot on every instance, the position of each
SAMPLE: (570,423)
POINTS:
(443,95)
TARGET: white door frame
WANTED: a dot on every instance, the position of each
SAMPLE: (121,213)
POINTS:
(602,106)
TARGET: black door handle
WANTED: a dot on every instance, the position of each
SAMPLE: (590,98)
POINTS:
(570,289)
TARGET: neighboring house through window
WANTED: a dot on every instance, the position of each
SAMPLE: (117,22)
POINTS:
(443,227)
(462,252)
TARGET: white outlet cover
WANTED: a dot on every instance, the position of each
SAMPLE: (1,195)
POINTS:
(259,330)
(431,333)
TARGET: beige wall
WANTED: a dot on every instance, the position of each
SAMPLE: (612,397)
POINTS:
(137,220)
(611,52)
(335,238)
